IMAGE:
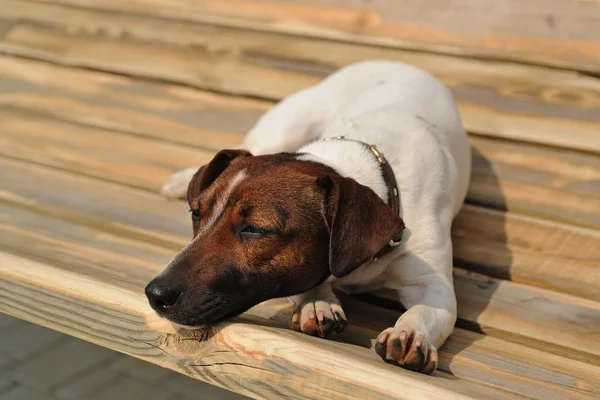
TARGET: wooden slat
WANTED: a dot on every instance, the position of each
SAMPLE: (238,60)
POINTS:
(253,360)
(500,99)
(505,245)
(116,209)
(166,112)
(488,360)
(560,33)
(529,250)
(113,156)
(552,183)
(114,259)
(509,308)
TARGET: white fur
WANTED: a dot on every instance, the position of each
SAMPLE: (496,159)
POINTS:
(412,119)
(217,210)
(219,207)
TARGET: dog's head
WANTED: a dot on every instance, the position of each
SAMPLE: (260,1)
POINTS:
(267,227)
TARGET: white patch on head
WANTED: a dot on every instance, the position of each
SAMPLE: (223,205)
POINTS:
(222,202)
(217,210)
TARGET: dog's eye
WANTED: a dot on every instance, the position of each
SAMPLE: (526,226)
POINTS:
(195,214)
(249,231)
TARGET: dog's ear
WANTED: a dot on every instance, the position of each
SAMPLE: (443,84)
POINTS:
(360,223)
(207,174)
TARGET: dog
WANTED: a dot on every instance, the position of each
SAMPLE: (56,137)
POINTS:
(350,184)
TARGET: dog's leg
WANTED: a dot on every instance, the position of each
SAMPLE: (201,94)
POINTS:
(318,312)
(431,313)
(177,185)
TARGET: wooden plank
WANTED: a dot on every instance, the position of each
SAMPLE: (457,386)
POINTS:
(166,112)
(530,250)
(485,364)
(109,207)
(510,307)
(116,209)
(498,99)
(561,33)
(253,360)
(552,183)
(506,245)
(114,259)
(107,249)
(100,153)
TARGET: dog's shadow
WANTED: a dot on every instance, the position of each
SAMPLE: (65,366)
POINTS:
(481,253)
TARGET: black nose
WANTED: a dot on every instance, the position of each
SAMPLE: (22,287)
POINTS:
(163,294)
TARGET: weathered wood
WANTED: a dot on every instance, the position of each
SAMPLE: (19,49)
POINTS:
(107,248)
(253,360)
(116,157)
(495,98)
(561,33)
(114,259)
(140,107)
(536,313)
(553,183)
(529,250)
(485,364)
(505,245)
(77,247)
(116,209)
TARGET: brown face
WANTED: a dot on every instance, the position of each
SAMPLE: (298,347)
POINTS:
(263,228)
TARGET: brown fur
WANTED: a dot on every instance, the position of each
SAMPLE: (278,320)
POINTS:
(307,223)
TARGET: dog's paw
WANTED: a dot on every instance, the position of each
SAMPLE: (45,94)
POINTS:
(319,318)
(177,184)
(407,348)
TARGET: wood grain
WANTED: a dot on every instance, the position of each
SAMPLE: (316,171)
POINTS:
(82,228)
(561,33)
(253,360)
(552,183)
(555,184)
(505,245)
(116,209)
(500,99)
(529,250)
(484,364)
(166,112)
(114,259)
(113,156)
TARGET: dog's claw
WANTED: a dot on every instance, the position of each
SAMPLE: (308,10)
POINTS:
(407,348)
(319,318)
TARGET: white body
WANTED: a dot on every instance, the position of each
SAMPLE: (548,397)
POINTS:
(412,119)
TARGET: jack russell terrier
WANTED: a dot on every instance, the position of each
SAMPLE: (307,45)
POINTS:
(319,199)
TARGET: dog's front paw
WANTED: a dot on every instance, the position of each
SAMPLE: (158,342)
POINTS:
(408,348)
(177,185)
(319,318)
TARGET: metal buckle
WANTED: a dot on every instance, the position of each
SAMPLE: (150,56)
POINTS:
(393,243)
(380,157)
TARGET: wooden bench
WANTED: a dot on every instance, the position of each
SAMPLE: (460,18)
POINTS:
(100,100)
